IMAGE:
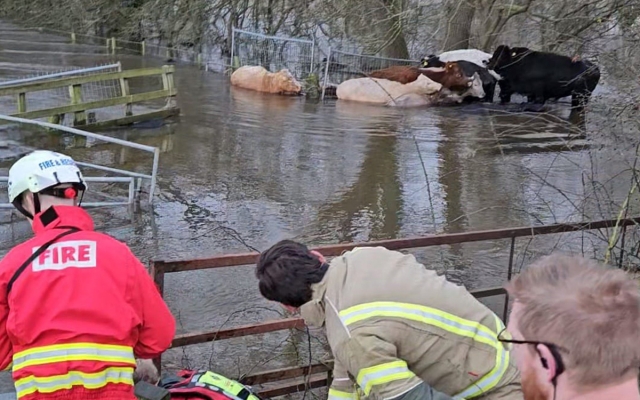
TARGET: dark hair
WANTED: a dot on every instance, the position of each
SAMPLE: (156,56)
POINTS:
(286,272)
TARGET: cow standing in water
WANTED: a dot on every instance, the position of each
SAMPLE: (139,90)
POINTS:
(542,76)
(469,68)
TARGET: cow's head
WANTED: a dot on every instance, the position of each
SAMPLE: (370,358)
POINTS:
(287,82)
(454,78)
(431,61)
(505,56)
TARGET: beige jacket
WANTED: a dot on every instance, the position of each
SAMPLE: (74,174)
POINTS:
(391,323)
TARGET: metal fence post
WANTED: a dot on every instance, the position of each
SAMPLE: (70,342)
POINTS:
(154,173)
(509,274)
(233,45)
(326,73)
(313,53)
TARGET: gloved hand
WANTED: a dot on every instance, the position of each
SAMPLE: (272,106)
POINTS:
(145,371)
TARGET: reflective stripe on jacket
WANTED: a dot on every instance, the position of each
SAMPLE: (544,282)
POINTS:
(392,324)
(79,314)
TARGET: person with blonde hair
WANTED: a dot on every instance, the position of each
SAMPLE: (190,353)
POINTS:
(574,330)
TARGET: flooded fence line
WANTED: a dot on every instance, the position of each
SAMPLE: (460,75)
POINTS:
(340,66)
(273,52)
(322,371)
(303,57)
(78,104)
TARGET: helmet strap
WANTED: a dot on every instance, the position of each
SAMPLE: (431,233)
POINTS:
(17,203)
(36,203)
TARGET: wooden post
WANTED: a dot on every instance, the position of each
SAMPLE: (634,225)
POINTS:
(22,102)
(108,44)
(124,87)
(167,77)
(73,37)
(75,92)
(143,47)
(199,59)
(113,45)
(55,119)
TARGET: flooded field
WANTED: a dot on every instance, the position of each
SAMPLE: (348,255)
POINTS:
(241,170)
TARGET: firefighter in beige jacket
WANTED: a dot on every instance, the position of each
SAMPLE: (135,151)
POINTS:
(396,329)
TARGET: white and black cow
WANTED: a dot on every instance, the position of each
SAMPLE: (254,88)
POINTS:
(469,68)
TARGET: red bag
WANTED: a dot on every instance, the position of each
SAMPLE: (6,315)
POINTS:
(203,384)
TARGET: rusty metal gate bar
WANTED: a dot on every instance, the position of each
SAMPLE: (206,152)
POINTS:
(160,267)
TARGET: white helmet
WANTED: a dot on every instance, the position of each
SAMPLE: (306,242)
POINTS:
(40,170)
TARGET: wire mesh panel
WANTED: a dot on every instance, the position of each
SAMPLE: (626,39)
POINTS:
(273,53)
(342,66)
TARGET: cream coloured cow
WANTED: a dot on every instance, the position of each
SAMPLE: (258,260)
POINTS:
(383,91)
(259,79)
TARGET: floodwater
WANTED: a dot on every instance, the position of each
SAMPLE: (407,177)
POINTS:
(242,170)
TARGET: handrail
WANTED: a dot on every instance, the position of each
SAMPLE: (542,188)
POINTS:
(161,267)
(154,150)
(395,244)
(59,74)
(79,80)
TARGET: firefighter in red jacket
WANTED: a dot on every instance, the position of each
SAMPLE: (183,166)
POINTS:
(76,306)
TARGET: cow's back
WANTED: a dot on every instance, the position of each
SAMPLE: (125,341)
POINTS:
(545,73)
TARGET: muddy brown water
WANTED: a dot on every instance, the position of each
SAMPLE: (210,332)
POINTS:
(241,170)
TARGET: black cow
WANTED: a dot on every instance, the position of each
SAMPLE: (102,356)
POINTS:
(542,76)
(468,68)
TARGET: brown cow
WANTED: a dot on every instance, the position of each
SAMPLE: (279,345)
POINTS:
(398,73)
(450,76)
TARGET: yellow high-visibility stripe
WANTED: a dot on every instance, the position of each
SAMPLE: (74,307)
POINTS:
(419,313)
(446,321)
(73,352)
(50,384)
(337,394)
(381,374)
(491,379)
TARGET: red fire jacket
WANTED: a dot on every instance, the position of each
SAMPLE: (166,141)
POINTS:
(77,316)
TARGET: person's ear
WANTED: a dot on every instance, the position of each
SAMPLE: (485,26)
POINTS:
(548,362)
(291,309)
(27,202)
(320,256)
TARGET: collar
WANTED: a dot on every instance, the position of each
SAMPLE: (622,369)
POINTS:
(313,310)
(66,216)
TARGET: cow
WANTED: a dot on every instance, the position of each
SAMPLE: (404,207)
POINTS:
(542,75)
(443,97)
(450,75)
(469,68)
(475,91)
(397,73)
(477,57)
(381,91)
(259,79)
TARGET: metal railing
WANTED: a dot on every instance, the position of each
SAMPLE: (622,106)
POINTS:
(128,174)
(72,72)
(160,268)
